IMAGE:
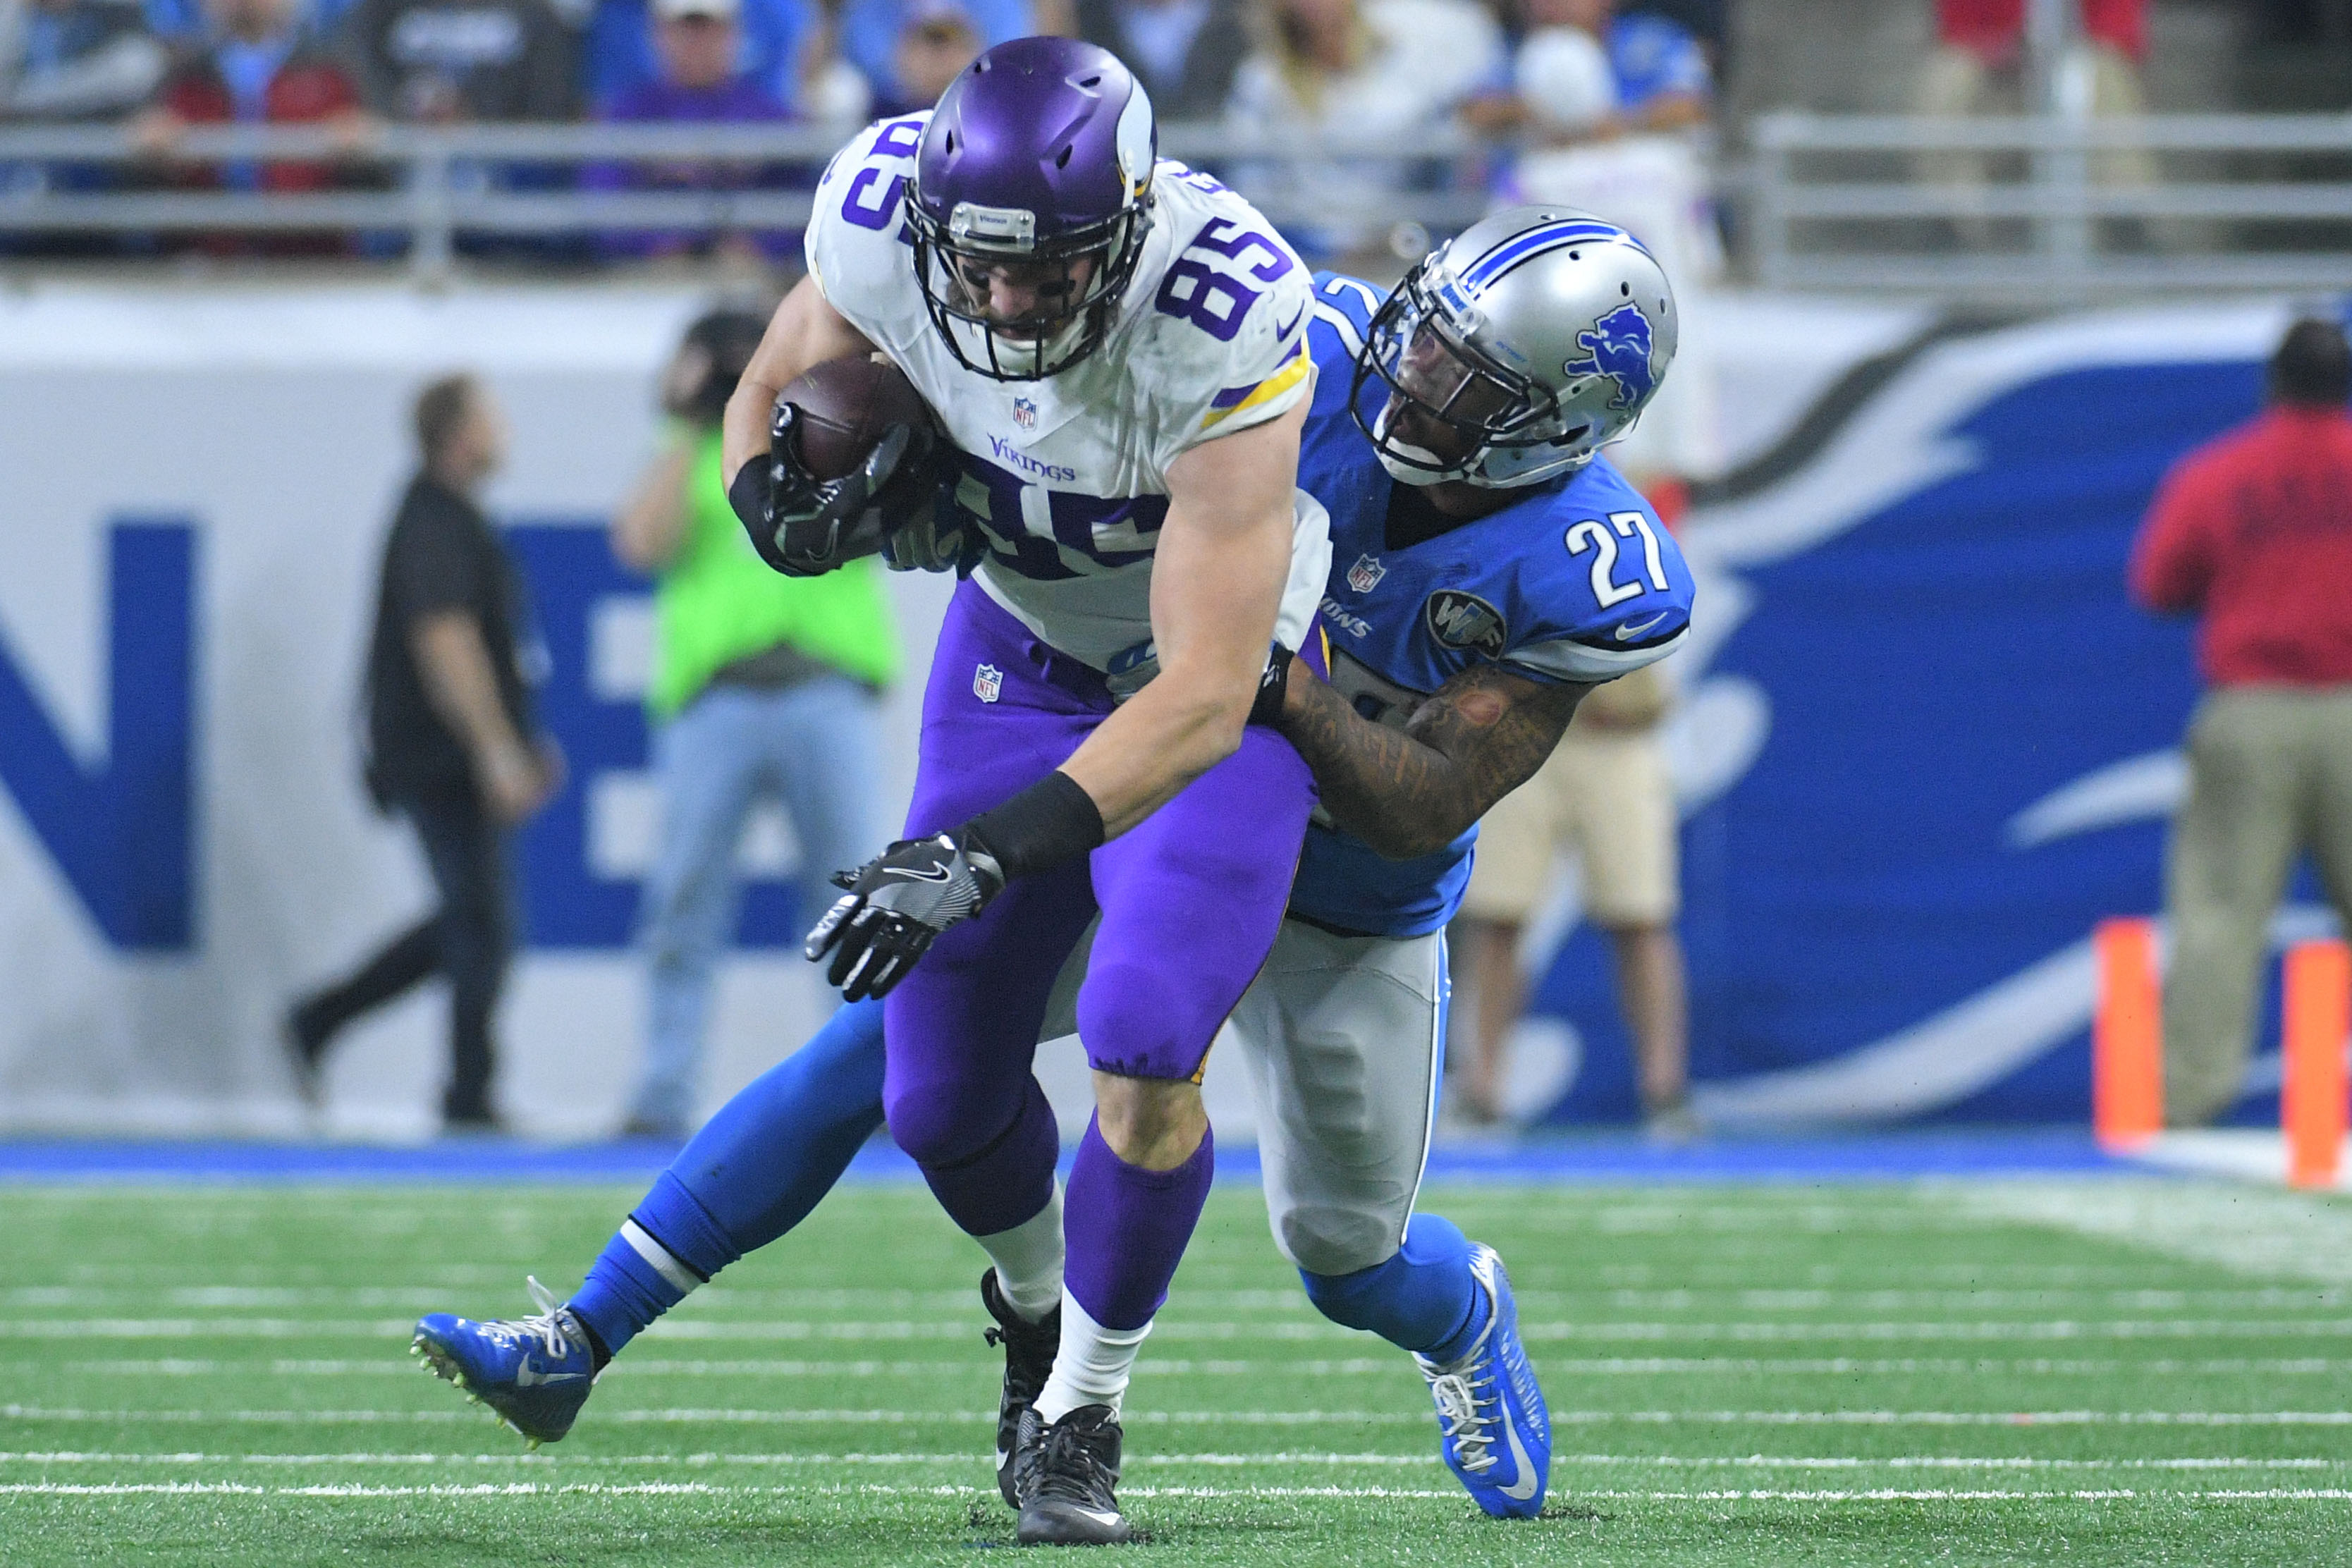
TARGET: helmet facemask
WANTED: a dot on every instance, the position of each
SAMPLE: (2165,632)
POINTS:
(1420,348)
(1076,280)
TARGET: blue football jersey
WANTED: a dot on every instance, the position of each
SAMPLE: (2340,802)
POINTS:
(1575,581)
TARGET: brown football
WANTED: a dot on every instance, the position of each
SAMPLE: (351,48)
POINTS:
(846,406)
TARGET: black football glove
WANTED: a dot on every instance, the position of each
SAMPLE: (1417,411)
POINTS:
(896,907)
(939,537)
(803,526)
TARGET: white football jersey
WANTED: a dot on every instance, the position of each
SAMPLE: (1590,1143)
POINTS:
(1067,476)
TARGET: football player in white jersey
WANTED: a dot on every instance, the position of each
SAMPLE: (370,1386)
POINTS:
(1117,350)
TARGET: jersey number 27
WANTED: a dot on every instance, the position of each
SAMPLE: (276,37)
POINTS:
(1591,536)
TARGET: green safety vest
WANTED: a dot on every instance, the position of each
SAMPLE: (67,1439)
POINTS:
(718,602)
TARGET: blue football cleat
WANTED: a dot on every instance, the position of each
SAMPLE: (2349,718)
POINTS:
(1496,1433)
(534,1372)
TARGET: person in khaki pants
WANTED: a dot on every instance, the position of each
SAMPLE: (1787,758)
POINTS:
(2253,533)
(1606,793)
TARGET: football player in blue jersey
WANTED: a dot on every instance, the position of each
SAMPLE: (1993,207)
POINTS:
(1488,569)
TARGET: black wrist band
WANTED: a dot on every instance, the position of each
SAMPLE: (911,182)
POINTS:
(1267,707)
(1052,821)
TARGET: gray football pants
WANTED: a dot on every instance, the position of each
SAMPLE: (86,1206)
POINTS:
(1343,1039)
(2270,771)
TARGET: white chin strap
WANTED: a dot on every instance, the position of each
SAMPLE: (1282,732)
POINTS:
(1400,458)
(1040,351)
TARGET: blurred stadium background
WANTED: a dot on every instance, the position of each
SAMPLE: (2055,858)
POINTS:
(1955,300)
(1935,367)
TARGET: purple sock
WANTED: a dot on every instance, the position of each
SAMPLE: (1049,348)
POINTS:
(1125,1228)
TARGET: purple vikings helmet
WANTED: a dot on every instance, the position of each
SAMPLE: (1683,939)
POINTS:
(1035,169)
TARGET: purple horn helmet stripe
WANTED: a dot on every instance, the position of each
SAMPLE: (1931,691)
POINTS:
(1031,124)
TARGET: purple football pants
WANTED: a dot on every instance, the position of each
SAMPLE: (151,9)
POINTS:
(1190,901)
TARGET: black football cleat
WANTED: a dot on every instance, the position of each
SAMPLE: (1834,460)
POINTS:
(1072,1473)
(1028,1361)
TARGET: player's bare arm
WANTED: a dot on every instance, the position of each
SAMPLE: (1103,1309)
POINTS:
(805,330)
(1216,587)
(1412,792)
(461,684)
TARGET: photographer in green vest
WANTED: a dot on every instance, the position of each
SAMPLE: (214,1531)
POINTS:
(763,686)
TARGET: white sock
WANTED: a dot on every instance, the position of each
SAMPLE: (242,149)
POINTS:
(1028,1260)
(1092,1367)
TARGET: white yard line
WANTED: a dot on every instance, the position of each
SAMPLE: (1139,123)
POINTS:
(1969,1331)
(59,1457)
(2246,1229)
(699,1488)
(1278,1306)
(2221,1418)
(630,1368)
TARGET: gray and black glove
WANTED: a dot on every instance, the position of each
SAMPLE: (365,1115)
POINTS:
(940,537)
(803,526)
(896,907)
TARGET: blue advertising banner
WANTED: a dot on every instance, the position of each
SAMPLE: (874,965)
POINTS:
(1928,740)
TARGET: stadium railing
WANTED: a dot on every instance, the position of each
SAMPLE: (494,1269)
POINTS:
(420,188)
(2065,207)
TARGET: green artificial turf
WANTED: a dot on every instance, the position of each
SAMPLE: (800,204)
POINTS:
(1738,1375)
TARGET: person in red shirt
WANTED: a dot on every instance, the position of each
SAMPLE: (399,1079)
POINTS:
(1978,67)
(256,63)
(2252,533)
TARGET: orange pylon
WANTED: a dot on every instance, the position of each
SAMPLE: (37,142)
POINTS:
(2312,1099)
(2127,1036)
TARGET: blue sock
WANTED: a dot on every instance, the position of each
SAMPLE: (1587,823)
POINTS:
(754,1171)
(1422,1300)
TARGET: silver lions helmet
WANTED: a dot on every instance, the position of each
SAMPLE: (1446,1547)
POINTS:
(1534,337)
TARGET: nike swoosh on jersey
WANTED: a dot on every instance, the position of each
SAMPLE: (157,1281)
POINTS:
(1282,332)
(526,1378)
(936,874)
(1627,630)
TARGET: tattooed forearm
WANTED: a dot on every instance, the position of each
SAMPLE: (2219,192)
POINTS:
(1413,792)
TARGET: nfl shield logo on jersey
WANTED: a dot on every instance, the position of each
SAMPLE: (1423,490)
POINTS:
(1366,574)
(1025,414)
(988,683)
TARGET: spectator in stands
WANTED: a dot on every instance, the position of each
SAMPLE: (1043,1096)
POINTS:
(1582,71)
(1978,67)
(696,42)
(256,64)
(763,687)
(1185,52)
(882,38)
(451,745)
(76,59)
(1605,793)
(831,91)
(1612,100)
(771,39)
(2253,533)
(937,42)
(1386,73)
(440,62)
(64,60)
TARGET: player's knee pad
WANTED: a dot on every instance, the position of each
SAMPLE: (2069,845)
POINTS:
(952,1122)
(1333,1240)
(1134,1023)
